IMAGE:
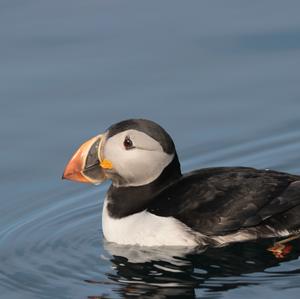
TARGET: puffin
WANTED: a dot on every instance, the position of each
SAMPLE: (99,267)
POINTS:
(151,203)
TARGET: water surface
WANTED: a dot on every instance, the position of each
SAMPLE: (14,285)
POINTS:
(222,78)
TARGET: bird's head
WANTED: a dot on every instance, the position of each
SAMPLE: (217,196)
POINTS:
(131,153)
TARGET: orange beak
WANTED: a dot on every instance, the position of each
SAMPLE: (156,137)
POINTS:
(85,165)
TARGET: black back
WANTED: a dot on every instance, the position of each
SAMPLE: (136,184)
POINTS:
(223,200)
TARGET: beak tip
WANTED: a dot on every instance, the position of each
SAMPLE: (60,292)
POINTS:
(66,175)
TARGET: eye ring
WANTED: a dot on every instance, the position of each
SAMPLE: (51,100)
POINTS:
(128,143)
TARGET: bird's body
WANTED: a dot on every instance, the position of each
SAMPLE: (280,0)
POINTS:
(150,202)
(209,206)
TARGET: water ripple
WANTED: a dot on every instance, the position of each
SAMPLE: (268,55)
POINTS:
(60,250)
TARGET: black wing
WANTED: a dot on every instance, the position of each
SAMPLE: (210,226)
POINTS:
(222,200)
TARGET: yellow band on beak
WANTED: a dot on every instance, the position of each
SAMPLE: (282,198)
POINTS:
(106,164)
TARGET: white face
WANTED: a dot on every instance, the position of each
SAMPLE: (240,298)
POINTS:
(139,164)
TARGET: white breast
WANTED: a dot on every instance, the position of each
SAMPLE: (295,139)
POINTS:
(146,229)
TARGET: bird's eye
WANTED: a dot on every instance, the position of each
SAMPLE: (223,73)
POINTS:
(128,143)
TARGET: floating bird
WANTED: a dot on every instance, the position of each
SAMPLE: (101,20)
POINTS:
(151,203)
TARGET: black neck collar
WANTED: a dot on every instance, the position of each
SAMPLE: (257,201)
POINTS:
(125,201)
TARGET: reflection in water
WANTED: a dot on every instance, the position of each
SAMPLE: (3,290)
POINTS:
(179,272)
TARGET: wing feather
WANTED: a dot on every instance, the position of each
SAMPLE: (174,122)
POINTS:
(218,201)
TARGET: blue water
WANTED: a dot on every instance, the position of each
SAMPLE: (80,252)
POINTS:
(221,76)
